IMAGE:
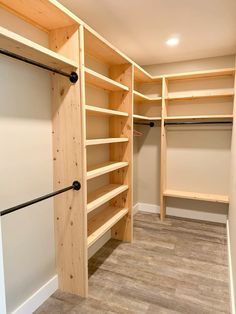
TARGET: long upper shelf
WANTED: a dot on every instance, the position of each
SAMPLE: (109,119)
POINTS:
(217,198)
(202,94)
(19,45)
(99,80)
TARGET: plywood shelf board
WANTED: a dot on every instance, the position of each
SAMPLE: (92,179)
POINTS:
(99,224)
(103,195)
(19,45)
(217,198)
(101,81)
(207,94)
(97,111)
(201,74)
(44,14)
(104,168)
(110,140)
(201,117)
(142,76)
(139,97)
(140,117)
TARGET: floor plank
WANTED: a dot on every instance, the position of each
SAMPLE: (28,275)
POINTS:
(176,266)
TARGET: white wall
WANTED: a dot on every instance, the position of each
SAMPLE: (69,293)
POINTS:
(26,172)
(232,208)
(183,157)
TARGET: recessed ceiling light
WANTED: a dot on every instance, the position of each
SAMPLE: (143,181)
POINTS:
(173,41)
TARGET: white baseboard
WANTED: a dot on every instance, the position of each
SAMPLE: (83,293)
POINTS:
(36,299)
(183,213)
(231,282)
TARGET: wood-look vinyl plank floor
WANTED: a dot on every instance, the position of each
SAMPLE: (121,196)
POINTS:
(175,266)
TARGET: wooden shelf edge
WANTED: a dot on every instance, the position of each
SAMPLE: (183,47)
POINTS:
(203,117)
(221,94)
(139,117)
(103,195)
(111,140)
(104,168)
(216,198)
(94,78)
(93,110)
(100,223)
(22,46)
(141,96)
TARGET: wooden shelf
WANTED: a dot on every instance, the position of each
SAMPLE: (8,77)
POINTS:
(44,14)
(100,223)
(103,195)
(201,74)
(104,168)
(110,140)
(216,198)
(139,117)
(102,81)
(142,76)
(141,97)
(19,45)
(202,94)
(226,117)
(97,111)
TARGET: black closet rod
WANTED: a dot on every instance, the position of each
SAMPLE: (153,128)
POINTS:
(72,76)
(75,186)
(200,122)
(151,124)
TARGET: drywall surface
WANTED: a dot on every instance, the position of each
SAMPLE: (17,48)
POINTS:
(196,161)
(232,207)
(26,172)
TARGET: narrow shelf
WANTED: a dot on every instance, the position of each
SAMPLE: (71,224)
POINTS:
(217,198)
(141,75)
(141,97)
(103,195)
(110,140)
(224,117)
(203,94)
(17,44)
(139,117)
(103,221)
(104,168)
(47,15)
(102,81)
(97,111)
(201,74)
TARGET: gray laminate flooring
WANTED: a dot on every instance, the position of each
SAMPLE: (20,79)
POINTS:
(179,266)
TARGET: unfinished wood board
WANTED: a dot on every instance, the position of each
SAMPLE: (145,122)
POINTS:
(104,194)
(102,81)
(24,47)
(45,14)
(201,74)
(141,97)
(104,168)
(213,118)
(202,94)
(139,117)
(198,196)
(99,224)
(101,141)
(97,111)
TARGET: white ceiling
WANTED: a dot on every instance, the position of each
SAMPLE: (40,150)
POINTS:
(139,28)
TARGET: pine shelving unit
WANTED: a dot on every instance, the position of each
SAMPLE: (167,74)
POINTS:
(105,204)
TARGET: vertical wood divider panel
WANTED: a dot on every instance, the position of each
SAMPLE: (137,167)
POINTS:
(123,126)
(163,150)
(68,157)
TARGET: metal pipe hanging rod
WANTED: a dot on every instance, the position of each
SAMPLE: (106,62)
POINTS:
(200,122)
(75,186)
(73,76)
(151,124)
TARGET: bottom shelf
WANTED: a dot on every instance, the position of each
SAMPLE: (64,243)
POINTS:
(100,223)
(217,198)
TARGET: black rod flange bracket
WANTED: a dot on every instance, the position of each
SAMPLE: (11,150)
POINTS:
(73,76)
